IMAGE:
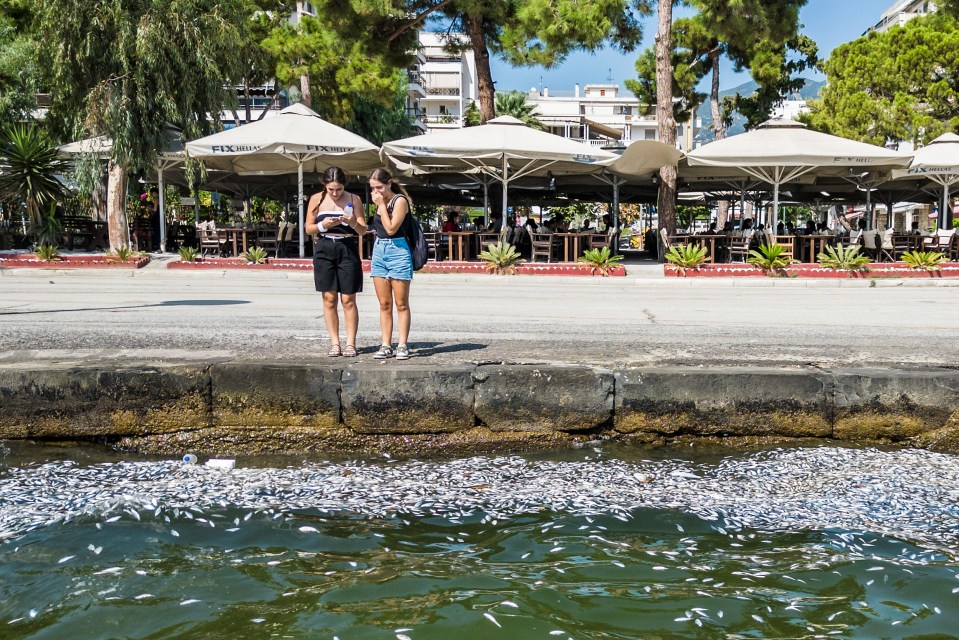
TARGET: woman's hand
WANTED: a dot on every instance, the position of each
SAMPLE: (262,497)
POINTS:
(377,198)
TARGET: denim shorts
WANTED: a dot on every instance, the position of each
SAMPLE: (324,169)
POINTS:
(392,259)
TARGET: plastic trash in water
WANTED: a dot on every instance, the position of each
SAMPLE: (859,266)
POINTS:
(189,459)
(223,464)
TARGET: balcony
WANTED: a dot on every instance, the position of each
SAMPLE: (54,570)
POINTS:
(444,121)
(415,81)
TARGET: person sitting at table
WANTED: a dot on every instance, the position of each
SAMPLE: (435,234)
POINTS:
(780,229)
(728,228)
(822,228)
(711,230)
(746,229)
(452,222)
(914,229)
(790,229)
(495,222)
(810,229)
(586,228)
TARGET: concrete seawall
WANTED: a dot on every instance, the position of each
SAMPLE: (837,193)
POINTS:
(237,408)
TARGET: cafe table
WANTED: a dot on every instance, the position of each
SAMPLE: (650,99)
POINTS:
(571,240)
(711,242)
(814,244)
(458,244)
(238,236)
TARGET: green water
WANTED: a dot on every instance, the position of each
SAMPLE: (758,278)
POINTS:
(656,573)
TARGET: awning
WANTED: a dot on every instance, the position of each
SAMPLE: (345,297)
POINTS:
(603,129)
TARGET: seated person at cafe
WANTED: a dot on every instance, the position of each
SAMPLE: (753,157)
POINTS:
(746,230)
(586,228)
(495,222)
(711,230)
(790,229)
(780,229)
(452,222)
(728,228)
(822,228)
(810,228)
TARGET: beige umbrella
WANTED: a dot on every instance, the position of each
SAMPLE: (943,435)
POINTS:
(782,151)
(295,140)
(504,149)
(939,162)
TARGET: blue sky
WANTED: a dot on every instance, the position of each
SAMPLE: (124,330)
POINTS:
(828,22)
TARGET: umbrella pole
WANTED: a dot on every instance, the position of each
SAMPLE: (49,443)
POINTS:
(613,247)
(486,199)
(299,202)
(776,204)
(162,211)
(505,186)
(943,217)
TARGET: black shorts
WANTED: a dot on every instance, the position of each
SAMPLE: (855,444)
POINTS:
(337,266)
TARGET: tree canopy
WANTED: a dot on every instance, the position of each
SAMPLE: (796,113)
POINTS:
(19,72)
(902,84)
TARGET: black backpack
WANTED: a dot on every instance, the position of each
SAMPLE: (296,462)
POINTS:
(415,238)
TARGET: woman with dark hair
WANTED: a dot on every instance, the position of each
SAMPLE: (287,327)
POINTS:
(392,263)
(335,216)
(452,221)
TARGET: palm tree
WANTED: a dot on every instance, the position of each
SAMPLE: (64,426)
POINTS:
(513,103)
(29,162)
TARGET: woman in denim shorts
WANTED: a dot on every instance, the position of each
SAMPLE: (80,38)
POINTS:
(392,263)
(335,217)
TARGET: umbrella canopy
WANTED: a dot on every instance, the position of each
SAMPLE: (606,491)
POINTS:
(295,140)
(939,162)
(781,151)
(504,149)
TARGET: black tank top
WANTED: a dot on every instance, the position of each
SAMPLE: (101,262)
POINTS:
(403,231)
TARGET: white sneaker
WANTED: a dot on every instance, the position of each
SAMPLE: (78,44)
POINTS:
(386,351)
(402,352)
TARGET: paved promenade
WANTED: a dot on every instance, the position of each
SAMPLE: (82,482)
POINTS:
(644,319)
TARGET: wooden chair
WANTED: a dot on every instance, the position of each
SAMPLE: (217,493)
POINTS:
(887,250)
(434,249)
(141,233)
(212,241)
(739,248)
(269,239)
(870,243)
(485,239)
(954,247)
(789,244)
(900,245)
(542,244)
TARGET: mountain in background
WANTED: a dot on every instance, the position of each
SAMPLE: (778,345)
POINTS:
(705,134)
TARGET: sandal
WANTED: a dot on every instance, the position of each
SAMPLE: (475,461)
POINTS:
(335,351)
(349,351)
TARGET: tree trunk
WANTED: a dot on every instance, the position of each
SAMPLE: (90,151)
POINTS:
(484,76)
(306,96)
(719,128)
(98,199)
(664,114)
(246,100)
(117,222)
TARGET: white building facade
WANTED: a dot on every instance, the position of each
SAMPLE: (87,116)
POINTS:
(441,84)
(602,115)
(902,12)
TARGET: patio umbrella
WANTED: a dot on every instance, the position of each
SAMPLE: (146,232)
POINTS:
(295,140)
(171,155)
(781,151)
(504,149)
(938,161)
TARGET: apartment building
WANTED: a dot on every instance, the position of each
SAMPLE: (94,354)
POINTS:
(602,115)
(441,84)
(901,12)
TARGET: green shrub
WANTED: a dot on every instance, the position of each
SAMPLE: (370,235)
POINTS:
(686,256)
(47,253)
(501,258)
(189,254)
(255,255)
(601,260)
(121,254)
(844,258)
(928,260)
(771,258)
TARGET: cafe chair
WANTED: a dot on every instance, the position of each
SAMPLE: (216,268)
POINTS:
(269,239)
(788,243)
(212,242)
(739,248)
(542,244)
(870,243)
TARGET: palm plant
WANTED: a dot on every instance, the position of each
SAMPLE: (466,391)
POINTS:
(47,253)
(255,255)
(501,258)
(513,103)
(601,260)
(686,256)
(189,254)
(29,162)
(120,254)
(844,258)
(928,260)
(771,258)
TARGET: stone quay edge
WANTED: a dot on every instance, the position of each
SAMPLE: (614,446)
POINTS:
(250,408)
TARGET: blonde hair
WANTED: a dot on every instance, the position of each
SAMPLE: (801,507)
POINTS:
(382,175)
